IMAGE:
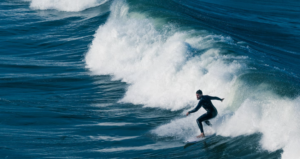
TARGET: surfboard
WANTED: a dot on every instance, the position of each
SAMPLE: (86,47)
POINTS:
(195,139)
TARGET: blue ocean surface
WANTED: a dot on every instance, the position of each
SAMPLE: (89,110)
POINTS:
(115,78)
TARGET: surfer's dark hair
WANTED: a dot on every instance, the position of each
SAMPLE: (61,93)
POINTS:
(199,92)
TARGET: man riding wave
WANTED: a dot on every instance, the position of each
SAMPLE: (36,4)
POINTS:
(205,102)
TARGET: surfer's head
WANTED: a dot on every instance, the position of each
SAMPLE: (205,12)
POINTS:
(199,94)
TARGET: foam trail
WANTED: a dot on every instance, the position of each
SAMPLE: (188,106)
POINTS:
(162,71)
(65,5)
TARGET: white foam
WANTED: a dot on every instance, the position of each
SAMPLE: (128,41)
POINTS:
(158,67)
(182,128)
(163,72)
(111,124)
(275,117)
(65,5)
(111,138)
(156,146)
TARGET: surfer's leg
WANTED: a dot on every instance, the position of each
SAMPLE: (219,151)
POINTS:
(202,118)
(207,123)
(213,114)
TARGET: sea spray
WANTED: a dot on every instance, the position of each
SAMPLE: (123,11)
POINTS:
(65,5)
(159,68)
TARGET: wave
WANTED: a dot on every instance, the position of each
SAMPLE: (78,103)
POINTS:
(160,68)
(164,67)
(65,5)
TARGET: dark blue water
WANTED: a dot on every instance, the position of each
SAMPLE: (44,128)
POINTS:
(114,79)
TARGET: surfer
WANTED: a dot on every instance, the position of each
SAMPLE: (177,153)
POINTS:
(212,112)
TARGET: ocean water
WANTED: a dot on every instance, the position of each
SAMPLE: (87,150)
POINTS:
(114,78)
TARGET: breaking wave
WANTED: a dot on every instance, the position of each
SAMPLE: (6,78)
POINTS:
(164,67)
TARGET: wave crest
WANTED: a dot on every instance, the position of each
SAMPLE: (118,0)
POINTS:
(65,5)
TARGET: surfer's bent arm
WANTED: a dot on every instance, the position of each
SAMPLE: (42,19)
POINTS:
(215,98)
(197,108)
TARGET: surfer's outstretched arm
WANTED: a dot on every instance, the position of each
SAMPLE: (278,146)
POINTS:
(216,98)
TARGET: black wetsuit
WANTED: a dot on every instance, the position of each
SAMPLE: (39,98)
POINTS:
(212,112)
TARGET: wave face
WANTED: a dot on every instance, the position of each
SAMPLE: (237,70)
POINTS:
(65,5)
(111,79)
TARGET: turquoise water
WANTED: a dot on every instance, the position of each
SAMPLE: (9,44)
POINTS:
(114,79)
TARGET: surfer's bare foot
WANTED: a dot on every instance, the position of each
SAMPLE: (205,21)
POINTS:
(201,135)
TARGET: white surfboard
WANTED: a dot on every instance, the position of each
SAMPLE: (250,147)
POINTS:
(196,139)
